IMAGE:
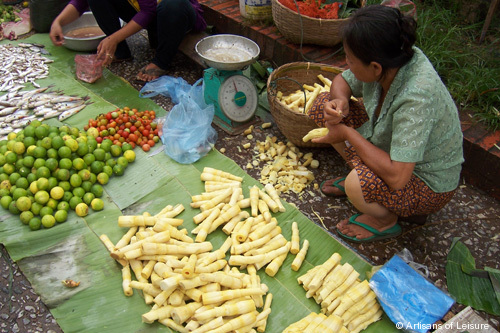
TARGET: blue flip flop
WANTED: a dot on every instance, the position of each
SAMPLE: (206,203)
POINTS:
(336,184)
(377,235)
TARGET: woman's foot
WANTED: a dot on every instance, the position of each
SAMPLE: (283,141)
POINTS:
(150,72)
(366,228)
(333,187)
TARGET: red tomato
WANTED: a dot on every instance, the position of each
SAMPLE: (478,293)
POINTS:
(145,132)
(146,147)
(151,143)
(133,128)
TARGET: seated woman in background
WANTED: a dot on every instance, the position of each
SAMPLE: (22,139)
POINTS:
(167,23)
(405,145)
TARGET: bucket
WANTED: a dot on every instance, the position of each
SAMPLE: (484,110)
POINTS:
(43,12)
(256,9)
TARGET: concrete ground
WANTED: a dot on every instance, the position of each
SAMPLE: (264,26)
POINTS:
(471,215)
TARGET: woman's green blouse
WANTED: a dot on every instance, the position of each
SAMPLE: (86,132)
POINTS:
(418,122)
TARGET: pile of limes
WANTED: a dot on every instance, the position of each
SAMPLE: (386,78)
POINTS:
(46,171)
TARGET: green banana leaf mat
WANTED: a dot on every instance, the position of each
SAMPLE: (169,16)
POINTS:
(73,250)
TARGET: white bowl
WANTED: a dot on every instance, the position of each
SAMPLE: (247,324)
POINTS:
(82,44)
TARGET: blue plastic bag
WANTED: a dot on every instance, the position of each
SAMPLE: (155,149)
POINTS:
(188,134)
(412,302)
(167,86)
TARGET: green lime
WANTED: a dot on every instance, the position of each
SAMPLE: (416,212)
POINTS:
(23,204)
(43,171)
(41,131)
(97,190)
(97,204)
(83,149)
(46,142)
(74,201)
(24,171)
(26,216)
(3,176)
(93,178)
(84,174)
(57,192)
(39,162)
(46,210)
(13,177)
(65,185)
(65,163)
(42,183)
(67,196)
(6,184)
(35,223)
(88,197)
(39,152)
(111,162)
(87,185)
(122,161)
(52,182)
(19,192)
(5,201)
(63,174)
(29,141)
(103,178)
(36,208)
(106,145)
(19,148)
(91,143)
(13,208)
(126,146)
(57,142)
(4,192)
(63,205)
(61,216)
(42,197)
(82,209)
(79,192)
(64,152)
(118,170)
(31,177)
(79,163)
(48,221)
(22,182)
(52,153)
(64,129)
(96,167)
(75,180)
(129,155)
(10,157)
(52,203)
(99,154)
(89,158)
(51,163)
(8,168)
(74,131)
(72,144)
(2,159)
(108,170)
(29,131)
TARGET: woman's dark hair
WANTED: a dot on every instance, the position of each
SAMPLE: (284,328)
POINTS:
(381,34)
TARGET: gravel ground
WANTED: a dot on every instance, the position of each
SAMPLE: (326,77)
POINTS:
(471,215)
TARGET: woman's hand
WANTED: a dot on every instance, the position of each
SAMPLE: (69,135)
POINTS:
(106,50)
(335,110)
(56,34)
(337,133)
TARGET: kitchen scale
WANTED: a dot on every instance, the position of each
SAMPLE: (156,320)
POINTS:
(233,95)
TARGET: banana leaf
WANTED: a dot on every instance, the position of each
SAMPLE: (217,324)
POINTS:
(479,289)
(73,250)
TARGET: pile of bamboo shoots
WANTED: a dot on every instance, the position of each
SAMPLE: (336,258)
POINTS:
(301,100)
(190,287)
(286,167)
(337,288)
(256,238)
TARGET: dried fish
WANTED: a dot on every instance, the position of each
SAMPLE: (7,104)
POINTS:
(21,64)
(68,113)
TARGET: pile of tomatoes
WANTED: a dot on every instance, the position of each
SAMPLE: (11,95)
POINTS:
(137,128)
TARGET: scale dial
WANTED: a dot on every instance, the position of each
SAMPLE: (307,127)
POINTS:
(238,98)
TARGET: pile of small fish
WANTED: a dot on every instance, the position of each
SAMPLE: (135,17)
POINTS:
(19,108)
(22,64)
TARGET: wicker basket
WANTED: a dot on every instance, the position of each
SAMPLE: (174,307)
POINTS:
(315,31)
(287,79)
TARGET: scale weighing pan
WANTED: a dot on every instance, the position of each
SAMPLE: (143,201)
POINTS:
(227,52)
(233,95)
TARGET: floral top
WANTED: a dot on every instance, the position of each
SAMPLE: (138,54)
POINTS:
(418,122)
